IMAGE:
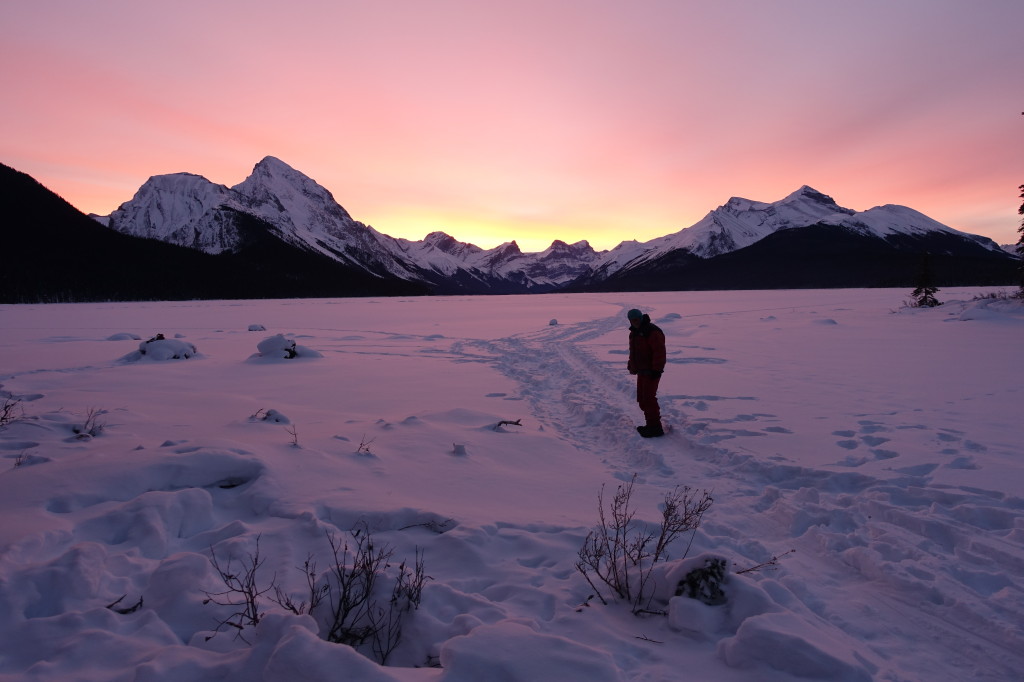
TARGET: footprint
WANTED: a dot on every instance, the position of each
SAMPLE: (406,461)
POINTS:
(885,454)
(711,440)
(777,429)
(874,441)
(919,470)
(18,445)
(848,444)
(700,361)
(868,426)
(844,434)
(24,460)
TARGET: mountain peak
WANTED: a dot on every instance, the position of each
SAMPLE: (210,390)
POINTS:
(271,168)
(443,241)
(273,163)
(280,193)
(170,207)
(438,237)
(808,193)
(560,249)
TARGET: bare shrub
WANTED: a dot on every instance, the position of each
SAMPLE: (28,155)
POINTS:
(355,617)
(10,411)
(124,610)
(771,564)
(92,426)
(621,551)
(316,593)
(346,598)
(364,447)
(242,592)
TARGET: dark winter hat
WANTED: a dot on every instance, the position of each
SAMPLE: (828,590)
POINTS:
(634,314)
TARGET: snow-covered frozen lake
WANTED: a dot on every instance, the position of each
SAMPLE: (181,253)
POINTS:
(882,444)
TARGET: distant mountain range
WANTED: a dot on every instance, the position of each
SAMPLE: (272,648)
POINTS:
(280,234)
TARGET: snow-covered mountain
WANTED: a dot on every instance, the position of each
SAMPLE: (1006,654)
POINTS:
(719,249)
(191,211)
(742,222)
(181,208)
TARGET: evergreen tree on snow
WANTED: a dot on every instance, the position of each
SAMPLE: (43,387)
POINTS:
(924,294)
(1020,246)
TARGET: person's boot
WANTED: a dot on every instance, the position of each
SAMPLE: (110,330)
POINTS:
(651,430)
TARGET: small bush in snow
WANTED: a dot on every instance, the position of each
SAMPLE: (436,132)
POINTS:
(10,411)
(272,416)
(241,592)
(1001,295)
(354,616)
(621,551)
(705,583)
(350,601)
(91,427)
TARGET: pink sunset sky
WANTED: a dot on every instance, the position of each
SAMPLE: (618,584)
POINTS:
(530,120)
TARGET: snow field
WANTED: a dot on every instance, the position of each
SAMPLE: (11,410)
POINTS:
(880,444)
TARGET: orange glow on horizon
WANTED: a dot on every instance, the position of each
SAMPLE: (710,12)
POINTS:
(530,122)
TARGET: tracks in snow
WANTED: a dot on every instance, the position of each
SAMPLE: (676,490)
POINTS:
(588,401)
(949,560)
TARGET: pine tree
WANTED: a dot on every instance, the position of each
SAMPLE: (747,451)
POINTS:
(1020,246)
(924,294)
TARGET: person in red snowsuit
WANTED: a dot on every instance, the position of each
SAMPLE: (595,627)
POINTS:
(647,362)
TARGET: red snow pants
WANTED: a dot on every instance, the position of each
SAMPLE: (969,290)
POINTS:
(647,398)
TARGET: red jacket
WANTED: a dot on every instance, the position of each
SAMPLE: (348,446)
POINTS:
(646,348)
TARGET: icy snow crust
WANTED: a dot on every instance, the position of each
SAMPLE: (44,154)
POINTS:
(882,444)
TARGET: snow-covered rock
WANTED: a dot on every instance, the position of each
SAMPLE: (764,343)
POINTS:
(280,347)
(159,348)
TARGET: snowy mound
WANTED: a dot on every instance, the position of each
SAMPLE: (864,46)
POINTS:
(1008,310)
(280,347)
(159,349)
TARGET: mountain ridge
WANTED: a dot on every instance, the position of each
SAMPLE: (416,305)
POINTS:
(280,213)
(308,216)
